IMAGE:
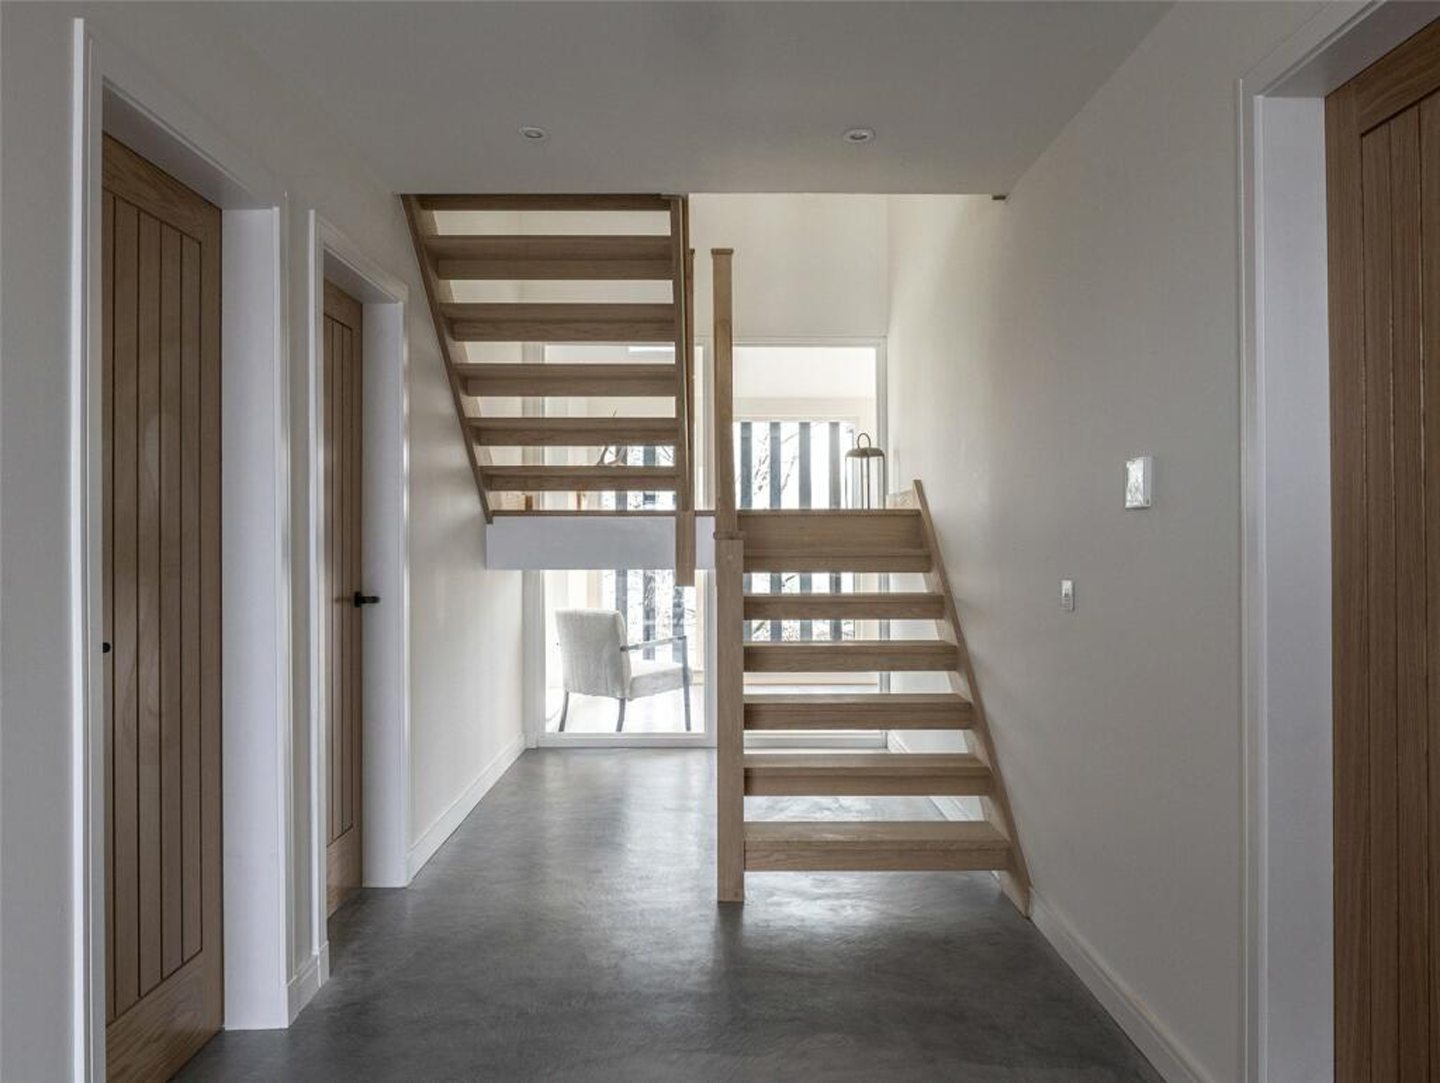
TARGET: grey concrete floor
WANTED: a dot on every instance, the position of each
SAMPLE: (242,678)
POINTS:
(568,931)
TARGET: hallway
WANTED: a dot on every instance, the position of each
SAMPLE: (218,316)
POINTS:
(568,930)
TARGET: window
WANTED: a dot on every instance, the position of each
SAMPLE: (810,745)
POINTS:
(793,464)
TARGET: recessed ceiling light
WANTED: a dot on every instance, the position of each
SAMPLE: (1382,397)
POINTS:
(859,135)
(534,134)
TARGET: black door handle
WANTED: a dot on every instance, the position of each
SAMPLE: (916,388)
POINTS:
(358,599)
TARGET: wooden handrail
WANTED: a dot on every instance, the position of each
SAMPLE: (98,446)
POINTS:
(730,718)
(729,603)
(723,407)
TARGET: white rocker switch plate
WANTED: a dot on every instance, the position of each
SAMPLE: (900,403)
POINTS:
(1137,482)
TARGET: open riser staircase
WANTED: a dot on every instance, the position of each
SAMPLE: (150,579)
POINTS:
(892,543)
(459,259)
(480,283)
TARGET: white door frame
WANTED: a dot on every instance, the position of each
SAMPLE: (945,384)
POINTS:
(1285,618)
(113,92)
(385,549)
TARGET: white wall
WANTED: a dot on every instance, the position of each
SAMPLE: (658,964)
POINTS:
(465,640)
(806,266)
(465,689)
(1036,344)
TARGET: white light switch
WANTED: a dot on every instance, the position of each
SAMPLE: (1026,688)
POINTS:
(1137,482)
(1067,595)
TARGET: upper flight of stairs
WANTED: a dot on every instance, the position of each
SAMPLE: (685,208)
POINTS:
(453,257)
(878,544)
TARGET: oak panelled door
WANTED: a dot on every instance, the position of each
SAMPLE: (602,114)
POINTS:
(1383,166)
(342,466)
(160,254)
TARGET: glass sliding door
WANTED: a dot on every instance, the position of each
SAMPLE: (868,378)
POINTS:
(652,610)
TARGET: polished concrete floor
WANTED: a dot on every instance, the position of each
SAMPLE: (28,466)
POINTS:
(567,931)
(597,714)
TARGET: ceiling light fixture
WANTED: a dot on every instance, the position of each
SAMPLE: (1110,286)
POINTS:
(534,134)
(859,135)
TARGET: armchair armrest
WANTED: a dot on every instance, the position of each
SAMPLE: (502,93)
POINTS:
(653,643)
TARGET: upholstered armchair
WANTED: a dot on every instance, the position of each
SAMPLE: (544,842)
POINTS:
(597,661)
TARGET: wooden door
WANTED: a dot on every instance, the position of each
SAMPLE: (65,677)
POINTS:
(1383,165)
(342,466)
(160,254)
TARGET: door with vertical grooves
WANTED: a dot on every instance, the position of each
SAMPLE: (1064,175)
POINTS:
(160,257)
(1383,189)
(342,458)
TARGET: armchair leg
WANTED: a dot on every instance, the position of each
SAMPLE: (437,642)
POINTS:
(620,722)
(564,710)
(685,691)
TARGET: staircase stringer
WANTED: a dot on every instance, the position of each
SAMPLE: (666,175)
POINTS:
(729,599)
(436,294)
(1016,880)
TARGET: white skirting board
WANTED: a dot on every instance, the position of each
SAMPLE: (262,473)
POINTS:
(308,980)
(1164,1051)
(444,826)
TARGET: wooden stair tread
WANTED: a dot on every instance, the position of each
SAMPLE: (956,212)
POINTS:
(659,513)
(559,322)
(857,710)
(795,514)
(859,774)
(829,529)
(911,834)
(843,559)
(907,834)
(599,201)
(874,845)
(573,431)
(522,381)
(880,605)
(851,656)
(541,257)
(848,699)
(580,478)
(863,763)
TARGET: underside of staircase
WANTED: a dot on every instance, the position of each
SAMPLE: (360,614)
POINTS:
(493,268)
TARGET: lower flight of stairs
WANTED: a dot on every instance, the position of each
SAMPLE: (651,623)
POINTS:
(895,540)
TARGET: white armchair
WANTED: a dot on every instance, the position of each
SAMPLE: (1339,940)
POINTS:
(597,661)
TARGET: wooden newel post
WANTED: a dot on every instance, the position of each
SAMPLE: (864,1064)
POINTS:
(684,345)
(729,606)
(730,737)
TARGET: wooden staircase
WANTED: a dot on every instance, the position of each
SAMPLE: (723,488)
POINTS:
(896,540)
(454,257)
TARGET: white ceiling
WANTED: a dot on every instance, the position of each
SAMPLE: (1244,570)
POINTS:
(695,97)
